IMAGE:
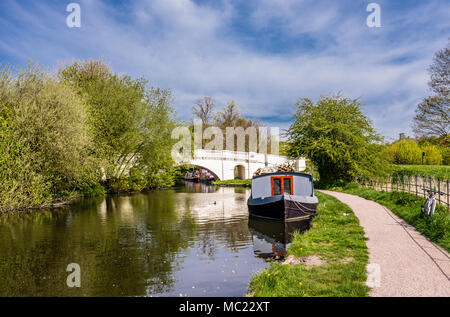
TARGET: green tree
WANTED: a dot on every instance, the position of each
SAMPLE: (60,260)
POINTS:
(44,144)
(337,137)
(130,123)
(403,152)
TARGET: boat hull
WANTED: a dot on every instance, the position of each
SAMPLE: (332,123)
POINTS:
(281,207)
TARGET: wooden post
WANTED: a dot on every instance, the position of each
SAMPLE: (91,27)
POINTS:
(439,190)
(448,194)
(416,183)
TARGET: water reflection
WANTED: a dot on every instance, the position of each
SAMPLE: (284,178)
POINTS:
(199,187)
(272,238)
(182,241)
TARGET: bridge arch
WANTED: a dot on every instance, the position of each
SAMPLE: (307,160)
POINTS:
(206,168)
(239,171)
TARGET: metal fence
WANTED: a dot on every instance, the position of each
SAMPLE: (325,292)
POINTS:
(417,185)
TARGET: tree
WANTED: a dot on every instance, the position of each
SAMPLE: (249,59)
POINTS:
(433,113)
(203,109)
(44,143)
(337,137)
(228,116)
(128,121)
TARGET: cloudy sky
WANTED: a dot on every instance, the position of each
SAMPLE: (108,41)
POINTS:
(264,54)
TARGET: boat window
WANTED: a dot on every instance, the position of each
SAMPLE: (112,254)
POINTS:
(276,186)
(281,185)
(287,185)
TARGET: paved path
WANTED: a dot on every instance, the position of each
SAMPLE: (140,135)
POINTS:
(407,263)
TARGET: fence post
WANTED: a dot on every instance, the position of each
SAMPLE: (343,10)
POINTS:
(416,183)
(409,184)
(439,190)
(448,195)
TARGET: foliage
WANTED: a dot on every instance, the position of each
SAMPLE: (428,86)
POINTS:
(130,123)
(337,137)
(409,152)
(64,135)
(335,235)
(44,144)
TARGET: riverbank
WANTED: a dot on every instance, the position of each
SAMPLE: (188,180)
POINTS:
(234,183)
(408,207)
(328,260)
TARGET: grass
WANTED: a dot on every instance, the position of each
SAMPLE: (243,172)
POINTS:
(234,182)
(333,237)
(408,207)
(439,171)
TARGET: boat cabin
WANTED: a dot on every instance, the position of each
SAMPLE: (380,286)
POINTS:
(273,184)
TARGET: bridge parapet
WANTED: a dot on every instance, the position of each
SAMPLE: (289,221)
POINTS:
(252,157)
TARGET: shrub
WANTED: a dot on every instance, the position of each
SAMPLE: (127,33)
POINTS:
(403,152)
(432,156)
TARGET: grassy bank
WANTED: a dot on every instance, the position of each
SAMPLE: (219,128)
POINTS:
(338,240)
(408,207)
(234,182)
(439,171)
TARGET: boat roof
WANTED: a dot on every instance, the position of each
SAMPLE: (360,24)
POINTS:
(282,173)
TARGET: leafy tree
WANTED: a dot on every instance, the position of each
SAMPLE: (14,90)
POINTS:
(403,152)
(433,155)
(433,114)
(337,137)
(129,121)
(44,144)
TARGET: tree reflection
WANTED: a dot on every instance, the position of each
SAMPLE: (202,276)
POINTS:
(126,245)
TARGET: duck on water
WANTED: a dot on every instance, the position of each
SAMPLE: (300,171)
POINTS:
(280,195)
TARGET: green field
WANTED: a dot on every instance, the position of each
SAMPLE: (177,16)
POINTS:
(338,240)
(439,171)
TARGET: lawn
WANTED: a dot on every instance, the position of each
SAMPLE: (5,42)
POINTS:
(338,240)
(439,171)
(234,182)
(408,207)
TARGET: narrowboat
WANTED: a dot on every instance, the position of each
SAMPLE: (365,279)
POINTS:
(286,196)
(193,176)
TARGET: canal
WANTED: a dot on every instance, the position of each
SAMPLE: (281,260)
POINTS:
(193,240)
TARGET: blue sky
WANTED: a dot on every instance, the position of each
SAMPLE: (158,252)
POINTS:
(264,54)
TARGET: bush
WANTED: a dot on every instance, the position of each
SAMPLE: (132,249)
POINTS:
(44,140)
(409,152)
(404,152)
(432,156)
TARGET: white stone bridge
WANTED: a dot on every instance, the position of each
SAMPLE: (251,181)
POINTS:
(225,165)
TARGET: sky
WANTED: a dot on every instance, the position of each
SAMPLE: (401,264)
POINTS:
(263,54)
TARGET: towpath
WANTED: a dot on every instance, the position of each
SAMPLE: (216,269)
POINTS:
(402,262)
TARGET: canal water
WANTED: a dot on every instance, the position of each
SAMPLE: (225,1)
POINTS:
(194,240)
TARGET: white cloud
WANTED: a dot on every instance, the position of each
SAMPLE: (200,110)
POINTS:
(194,50)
